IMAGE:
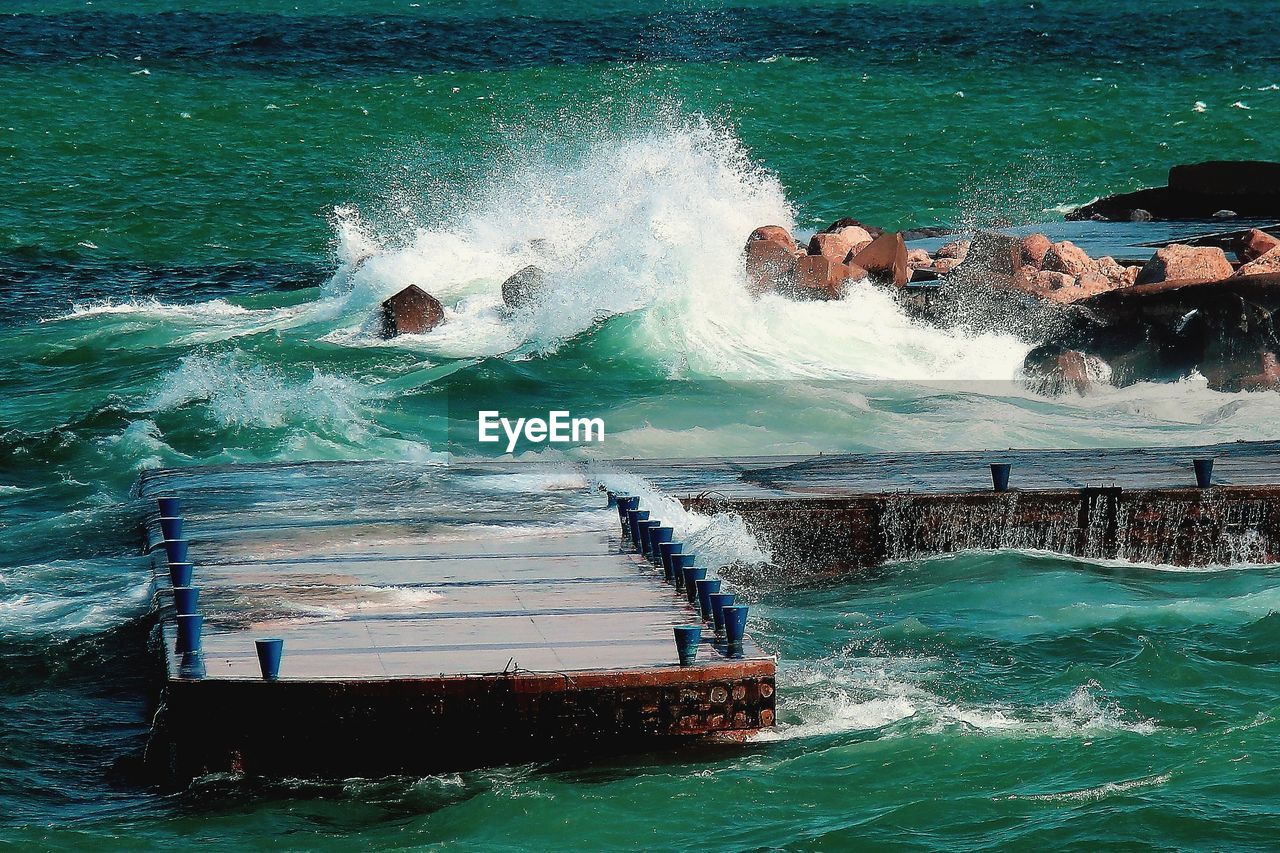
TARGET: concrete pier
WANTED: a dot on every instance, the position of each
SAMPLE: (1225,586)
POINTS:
(430,623)
(828,515)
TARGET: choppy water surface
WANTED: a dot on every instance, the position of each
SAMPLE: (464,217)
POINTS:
(207,201)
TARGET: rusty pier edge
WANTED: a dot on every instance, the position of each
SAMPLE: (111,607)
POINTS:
(337,729)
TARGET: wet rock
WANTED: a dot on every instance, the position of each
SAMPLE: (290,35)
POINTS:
(1225,214)
(1266,379)
(1052,370)
(771,257)
(1178,262)
(1034,248)
(1140,215)
(919,259)
(945,265)
(1067,257)
(412,311)
(839,245)
(885,259)
(819,277)
(1253,244)
(991,258)
(524,286)
(847,222)
(1268,263)
(956,249)
(1115,272)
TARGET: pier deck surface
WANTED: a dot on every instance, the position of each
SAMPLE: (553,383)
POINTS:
(376,571)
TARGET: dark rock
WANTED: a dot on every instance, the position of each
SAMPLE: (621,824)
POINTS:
(1166,330)
(885,259)
(412,311)
(1198,191)
(524,286)
(1052,370)
(1253,244)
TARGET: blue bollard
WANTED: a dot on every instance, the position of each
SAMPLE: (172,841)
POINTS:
(693,574)
(646,537)
(626,503)
(680,562)
(659,535)
(169,506)
(1000,476)
(1204,472)
(180,574)
(668,552)
(184,599)
(191,665)
(634,517)
(719,600)
(735,627)
(705,587)
(171,528)
(269,653)
(175,550)
(189,628)
(687,639)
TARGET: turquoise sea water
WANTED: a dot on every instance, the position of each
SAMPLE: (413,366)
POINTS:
(206,201)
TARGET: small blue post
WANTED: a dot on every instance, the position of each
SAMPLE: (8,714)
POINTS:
(170,507)
(659,535)
(705,588)
(679,562)
(634,517)
(735,627)
(1204,472)
(191,665)
(1000,476)
(171,528)
(175,550)
(668,552)
(269,653)
(719,600)
(687,639)
(189,629)
(180,574)
(184,599)
(693,574)
(646,537)
(626,503)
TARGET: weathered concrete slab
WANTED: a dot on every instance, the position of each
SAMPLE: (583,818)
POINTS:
(398,584)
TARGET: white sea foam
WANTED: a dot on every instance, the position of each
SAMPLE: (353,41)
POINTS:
(652,223)
(238,392)
(211,310)
(862,694)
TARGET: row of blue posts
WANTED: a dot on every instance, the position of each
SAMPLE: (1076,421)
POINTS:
(652,539)
(1000,474)
(186,599)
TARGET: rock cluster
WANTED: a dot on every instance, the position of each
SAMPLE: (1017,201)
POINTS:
(845,252)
